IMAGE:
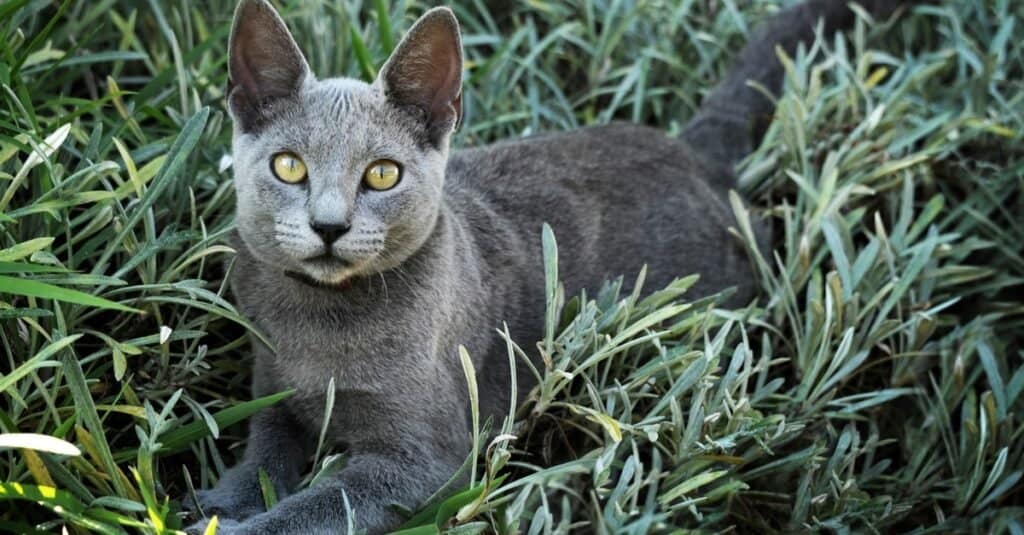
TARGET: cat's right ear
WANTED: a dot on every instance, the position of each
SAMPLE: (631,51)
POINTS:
(425,71)
(264,63)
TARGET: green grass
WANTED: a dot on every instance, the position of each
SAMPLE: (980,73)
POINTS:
(875,386)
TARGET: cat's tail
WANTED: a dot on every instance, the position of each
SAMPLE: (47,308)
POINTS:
(732,117)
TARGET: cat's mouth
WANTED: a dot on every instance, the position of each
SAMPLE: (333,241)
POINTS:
(329,261)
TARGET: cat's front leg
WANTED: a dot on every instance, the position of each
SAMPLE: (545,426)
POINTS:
(277,446)
(372,483)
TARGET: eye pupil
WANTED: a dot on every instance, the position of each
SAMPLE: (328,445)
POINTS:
(382,175)
(288,168)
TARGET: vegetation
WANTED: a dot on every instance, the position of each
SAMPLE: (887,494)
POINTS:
(876,385)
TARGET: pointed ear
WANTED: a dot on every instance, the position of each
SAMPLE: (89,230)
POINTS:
(425,71)
(264,63)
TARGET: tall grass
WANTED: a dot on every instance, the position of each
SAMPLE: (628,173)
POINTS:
(875,385)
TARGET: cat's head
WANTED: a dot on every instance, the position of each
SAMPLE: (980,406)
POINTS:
(337,178)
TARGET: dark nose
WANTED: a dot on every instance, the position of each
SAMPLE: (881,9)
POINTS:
(330,232)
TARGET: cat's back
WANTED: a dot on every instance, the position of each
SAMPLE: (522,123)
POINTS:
(587,155)
(617,196)
(618,165)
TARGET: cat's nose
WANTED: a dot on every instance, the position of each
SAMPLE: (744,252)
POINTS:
(329,232)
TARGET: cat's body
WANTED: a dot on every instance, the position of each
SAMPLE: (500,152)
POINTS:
(442,259)
(481,265)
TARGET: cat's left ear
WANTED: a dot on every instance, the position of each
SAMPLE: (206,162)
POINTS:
(265,64)
(425,71)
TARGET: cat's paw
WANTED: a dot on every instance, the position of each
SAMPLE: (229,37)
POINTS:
(226,526)
(224,503)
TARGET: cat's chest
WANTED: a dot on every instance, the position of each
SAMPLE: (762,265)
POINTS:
(358,352)
(312,351)
(367,367)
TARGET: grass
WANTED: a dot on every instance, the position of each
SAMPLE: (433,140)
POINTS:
(875,386)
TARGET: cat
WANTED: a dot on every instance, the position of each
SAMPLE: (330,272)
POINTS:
(368,251)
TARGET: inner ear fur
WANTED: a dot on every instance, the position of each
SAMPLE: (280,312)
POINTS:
(264,62)
(425,71)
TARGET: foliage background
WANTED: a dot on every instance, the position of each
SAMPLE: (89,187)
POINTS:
(875,386)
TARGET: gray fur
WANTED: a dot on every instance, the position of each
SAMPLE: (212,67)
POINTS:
(443,258)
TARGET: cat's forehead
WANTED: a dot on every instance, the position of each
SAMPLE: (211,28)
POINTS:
(327,115)
(323,107)
(336,105)
(342,97)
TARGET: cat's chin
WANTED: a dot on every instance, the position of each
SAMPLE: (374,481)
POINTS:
(339,284)
(327,272)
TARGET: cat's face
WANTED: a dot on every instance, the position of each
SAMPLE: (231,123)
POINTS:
(338,178)
(339,131)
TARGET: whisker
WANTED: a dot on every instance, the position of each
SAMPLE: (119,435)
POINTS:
(402,276)
(384,284)
(290,234)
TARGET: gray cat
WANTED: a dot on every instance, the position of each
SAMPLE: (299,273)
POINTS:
(369,252)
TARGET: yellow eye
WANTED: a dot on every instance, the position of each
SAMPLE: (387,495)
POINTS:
(382,175)
(288,168)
